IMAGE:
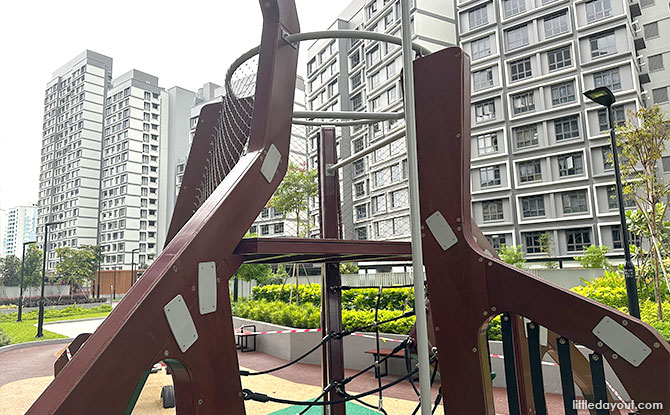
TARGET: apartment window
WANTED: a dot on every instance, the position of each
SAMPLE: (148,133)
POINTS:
(603,44)
(359,167)
(483,79)
(578,239)
(533,245)
(355,59)
(598,9)
(362,233)
(399,198)
(651,30)
(378,204)
(525,136)
(532,206)
(375,79)
(556,24)
(279,227)
(520,69)
(563,93)
(607,158)
(612,199)
(356,102)
(361,211)
(660,95)
(391,95)
(485,111)
(492,210)
(617,241)
(619,117)
(574,202)
(332,88)
(487,144)
(480,47)
(566,128)
(523,102)
(609,78)
(530,171)
(489,176)
(373,56)
(359,189)
(265,229)
(371,9)
(655,62)
(570,165)
(559,58)
(496,241)
(666,163)
(513,7)
(646,3)
(478,16)
(517,37)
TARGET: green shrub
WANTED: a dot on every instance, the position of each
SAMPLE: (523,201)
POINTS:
(649,315)
(68,311)
(354,299)
(4,339)
(495,329)
(609,289)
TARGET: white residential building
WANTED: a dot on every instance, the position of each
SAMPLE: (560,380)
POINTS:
(20,228)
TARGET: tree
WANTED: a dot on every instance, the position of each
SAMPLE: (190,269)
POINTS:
(294,192)
(348,268)
(10,269)
(594,257)
(76,266)
(545,246)
(641,141)
(512,255)
(32,267)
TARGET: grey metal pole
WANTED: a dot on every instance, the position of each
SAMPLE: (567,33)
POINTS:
(415,213)
(628,268)
(132,267)
(40,318)
(23,260)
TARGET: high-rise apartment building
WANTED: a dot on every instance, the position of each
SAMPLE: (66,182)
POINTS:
(71,159)
(362,75)
(135,123)
(3,230)
(539,148)
(651,20)
(20,228)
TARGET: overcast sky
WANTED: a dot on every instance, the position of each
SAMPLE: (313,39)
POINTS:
(184,43)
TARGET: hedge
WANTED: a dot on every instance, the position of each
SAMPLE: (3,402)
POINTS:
(51,300)
(354,299)
(68,311)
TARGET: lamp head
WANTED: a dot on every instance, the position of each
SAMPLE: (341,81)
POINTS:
(601,95)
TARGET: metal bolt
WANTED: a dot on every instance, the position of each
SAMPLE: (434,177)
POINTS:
(437,328)
(240,394)
(459,228)
(423,235)
(486,313)
(166,353)
(174,268)
(561,340)
(625,322)
(657,345)
(600,344)
(458,135)
(474,349)
(423,227)
(490,264)
(458,219)
(199,401)
(192,287)
(218,280)
(615,356)
(493,308)
(480,259)
(532,326)
(506,318)
(595,357)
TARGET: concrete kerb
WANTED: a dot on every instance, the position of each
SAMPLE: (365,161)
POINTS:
(34,344)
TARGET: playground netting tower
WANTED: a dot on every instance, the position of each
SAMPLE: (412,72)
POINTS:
(179,311)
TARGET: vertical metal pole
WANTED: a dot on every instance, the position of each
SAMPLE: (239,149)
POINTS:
(40,318)
(23,260)
(415,212)
(331,294)
(132,267)
(628,268)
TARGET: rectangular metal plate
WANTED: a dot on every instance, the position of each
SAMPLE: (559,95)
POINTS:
(270,163)
(441,230)
(207,287)
(180,322)
(624,343)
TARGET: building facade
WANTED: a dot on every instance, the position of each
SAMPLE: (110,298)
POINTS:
(358,75)
(539,148)
(20,228)
(71,156)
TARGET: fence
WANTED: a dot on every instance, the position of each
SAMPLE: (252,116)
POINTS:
(14,292)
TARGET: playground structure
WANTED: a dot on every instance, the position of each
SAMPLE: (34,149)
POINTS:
(179,311)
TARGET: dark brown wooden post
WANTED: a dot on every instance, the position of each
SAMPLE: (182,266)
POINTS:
(333,366)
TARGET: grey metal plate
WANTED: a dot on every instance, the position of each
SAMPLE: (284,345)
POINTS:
(624,343)
(207,287)
(180,322)
(270,163)
(441,230)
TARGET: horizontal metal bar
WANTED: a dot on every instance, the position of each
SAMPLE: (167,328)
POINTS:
(334,123)
(351,115)
(365,152)
(354,34)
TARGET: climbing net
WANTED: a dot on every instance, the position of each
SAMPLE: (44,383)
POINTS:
(339,386)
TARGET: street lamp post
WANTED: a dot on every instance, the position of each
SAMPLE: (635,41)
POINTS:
(23,260)
(605,97)
(40,321)
(132,266)
(114,286)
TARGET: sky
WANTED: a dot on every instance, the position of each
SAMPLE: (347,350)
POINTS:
(184,43)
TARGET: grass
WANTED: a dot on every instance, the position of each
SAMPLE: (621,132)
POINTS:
(25,331)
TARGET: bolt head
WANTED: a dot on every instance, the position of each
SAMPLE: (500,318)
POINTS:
(615,356)
(595,357)
(600,344)
(166,353)
(625,322)
(480,259)
(493,308)
(485,313)
(474,349)
(218,280)
(192,287)
(437,328)
(174,268)
(199,401)
(657,345)
(459,229)
(561,341)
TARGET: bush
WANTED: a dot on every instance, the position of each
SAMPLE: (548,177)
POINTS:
(354,299)
(649,315)
(495,329)
(69,311)
(609,289)
(4,339)
(52,300)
